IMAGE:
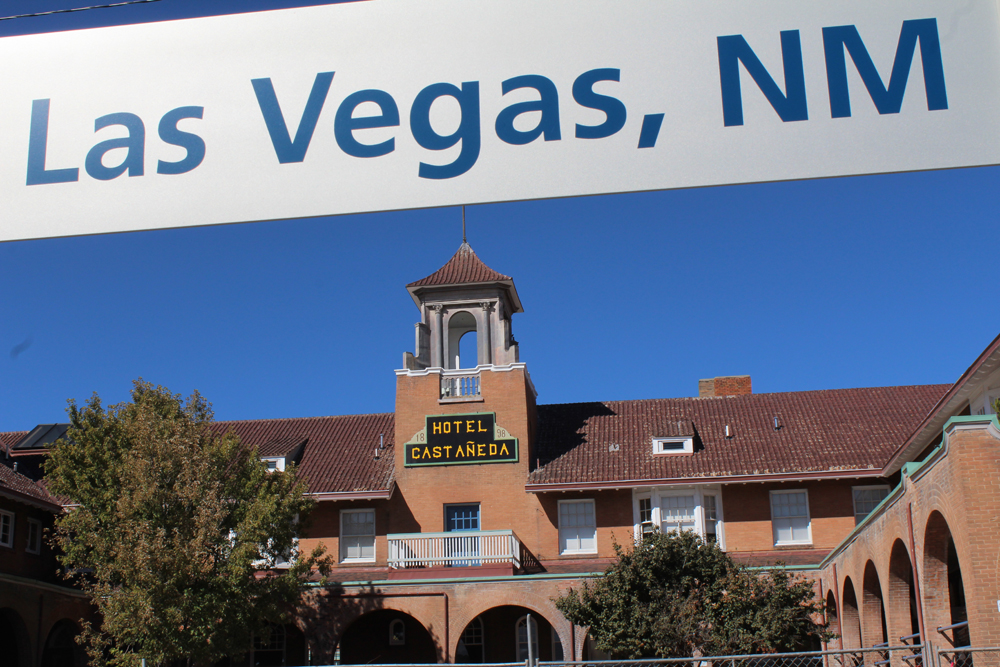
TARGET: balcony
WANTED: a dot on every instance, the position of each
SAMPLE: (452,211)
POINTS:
(471,553)
(460,385)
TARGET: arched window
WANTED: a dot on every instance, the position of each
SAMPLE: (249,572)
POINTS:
(269,646)
(463,348)
(397,633)
(470,644)
(523,631)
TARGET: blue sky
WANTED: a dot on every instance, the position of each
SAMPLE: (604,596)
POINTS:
(865,281)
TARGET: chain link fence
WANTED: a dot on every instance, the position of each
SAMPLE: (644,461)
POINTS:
(967,656)
(892,656)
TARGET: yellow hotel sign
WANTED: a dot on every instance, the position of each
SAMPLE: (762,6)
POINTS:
(460,440)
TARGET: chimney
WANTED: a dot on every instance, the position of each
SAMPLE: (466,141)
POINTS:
(729,385)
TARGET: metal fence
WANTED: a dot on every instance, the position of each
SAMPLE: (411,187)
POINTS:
(894,656)
(967,656)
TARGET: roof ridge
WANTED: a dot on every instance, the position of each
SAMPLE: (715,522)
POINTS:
(464,267)
(290,419)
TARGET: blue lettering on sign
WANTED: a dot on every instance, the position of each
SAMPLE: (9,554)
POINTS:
(286,148)
(192,143)
(790,105)
(583,93)
(135,143)
(547,104)
(345,123)
(467,132)
(38,140)
(838,41)
(887,99)
(734,51)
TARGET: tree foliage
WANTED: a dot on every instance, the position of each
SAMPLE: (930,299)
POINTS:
(172,525)
(673,595)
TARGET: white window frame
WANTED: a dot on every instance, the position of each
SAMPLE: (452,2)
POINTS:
(774,531)
(854,498)
(342,550)
(657,494)
(9,517)
(686,446)
(579,501)
(278,461)
(35,548)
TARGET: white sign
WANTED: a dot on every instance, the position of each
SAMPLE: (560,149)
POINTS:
(390,104)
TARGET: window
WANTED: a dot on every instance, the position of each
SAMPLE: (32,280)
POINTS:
(790,517)
(577,527)
(269,646)
(397,632)
(522,638)
(867,498)
(34,537)
(646,515)
(6,529)
(676,513)
(673,445)
(276,463)
(470,644)
(357,535)
(711,519)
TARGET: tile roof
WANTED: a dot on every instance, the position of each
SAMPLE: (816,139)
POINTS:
(10,438)
(19,486)
(831,430)
(339,455)
(464,267)
(826,431)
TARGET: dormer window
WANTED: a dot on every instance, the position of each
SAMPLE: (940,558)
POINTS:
(673,445)
(274,463)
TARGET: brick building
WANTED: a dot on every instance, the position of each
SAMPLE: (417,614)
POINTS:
(462,514)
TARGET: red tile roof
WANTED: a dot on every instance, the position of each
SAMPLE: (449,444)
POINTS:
(853,431)
(9,439)
(339,455)
(19,487)
(464,267)
(820,431)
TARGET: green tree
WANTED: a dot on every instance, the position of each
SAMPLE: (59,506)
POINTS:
(673,595)
(171,524)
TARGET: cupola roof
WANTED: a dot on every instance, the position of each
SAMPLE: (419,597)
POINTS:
(464,268)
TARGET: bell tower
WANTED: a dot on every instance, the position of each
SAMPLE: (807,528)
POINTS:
(465,414)
(463,297)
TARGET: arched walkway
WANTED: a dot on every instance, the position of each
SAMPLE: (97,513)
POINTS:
(943,585)
(14,639)
(851,618)
(902,595)
(873,609)
(61,649)
(832,618)
(387,636)
(279,645)
(500,634)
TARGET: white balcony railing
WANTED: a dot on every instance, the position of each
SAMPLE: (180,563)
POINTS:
(467,548)
(460,384)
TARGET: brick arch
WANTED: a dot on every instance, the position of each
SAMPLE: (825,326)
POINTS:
(850,615)
(15,639)
(832,616)
(873,625)
(60,648)
(326,617)
(497,598)
(943,585)
(902,597)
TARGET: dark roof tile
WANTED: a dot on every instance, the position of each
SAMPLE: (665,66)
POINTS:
(464,267)
(838,429)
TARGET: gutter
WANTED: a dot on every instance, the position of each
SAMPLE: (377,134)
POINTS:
(852,473)
(20,497)
(330,496)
